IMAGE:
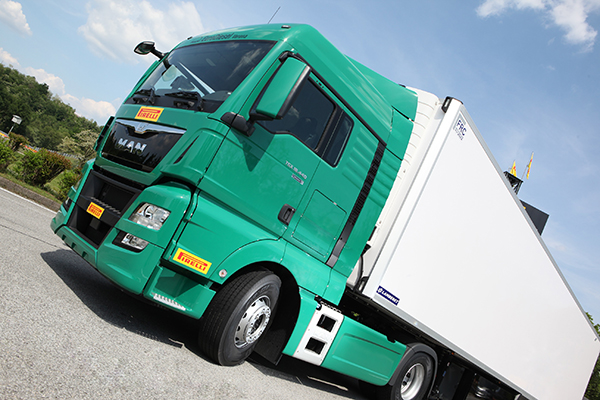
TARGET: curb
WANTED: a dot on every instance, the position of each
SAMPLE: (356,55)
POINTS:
(29,194)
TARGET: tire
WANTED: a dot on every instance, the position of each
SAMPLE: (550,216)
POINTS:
(238,316)
(413,381)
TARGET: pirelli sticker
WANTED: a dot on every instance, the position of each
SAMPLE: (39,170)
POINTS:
(192,261)
(95,210)
(149,113)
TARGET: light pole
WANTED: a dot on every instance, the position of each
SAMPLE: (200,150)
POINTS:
(15,120)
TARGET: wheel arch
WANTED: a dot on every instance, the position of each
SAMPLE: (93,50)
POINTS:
(290,265)
(271,344)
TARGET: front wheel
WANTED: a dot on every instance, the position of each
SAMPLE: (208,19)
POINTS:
(239,314)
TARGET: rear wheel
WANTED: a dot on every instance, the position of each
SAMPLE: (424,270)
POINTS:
(413,381)
(238,316)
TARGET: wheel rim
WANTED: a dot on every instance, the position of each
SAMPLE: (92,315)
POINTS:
(412,382)
(253,322)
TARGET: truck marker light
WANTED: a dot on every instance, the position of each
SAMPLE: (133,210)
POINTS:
(149,113)
(192,261)
(95,210)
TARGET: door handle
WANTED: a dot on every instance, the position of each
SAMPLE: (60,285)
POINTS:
(286,213)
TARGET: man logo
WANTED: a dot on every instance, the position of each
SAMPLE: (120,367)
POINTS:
(141,128)
(131,146)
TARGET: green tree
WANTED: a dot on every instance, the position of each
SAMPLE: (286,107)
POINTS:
(593,389)
(80,145)
(46,119)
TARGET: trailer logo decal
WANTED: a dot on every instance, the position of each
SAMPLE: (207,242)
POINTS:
(192,261)
(387,295)
(95,210)
(460,128)
(149,113)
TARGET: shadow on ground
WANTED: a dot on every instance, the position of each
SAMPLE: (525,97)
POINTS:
(136,315)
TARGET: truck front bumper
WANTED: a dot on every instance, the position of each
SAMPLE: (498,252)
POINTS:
(142,274)
(98,240)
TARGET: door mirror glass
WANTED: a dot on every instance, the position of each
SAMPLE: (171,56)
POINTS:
(147,47)
(283,89)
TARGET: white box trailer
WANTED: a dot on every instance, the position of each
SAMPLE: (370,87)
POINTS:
(455,256)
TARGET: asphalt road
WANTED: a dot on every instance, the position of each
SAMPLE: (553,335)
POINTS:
(68,333)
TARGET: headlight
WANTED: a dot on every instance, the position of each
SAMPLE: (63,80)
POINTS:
(150,216)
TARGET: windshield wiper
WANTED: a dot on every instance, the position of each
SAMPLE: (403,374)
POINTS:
(187,96)
(145,92)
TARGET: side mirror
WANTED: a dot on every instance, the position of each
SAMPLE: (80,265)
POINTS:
(276,99)
(283,89)
(147,47)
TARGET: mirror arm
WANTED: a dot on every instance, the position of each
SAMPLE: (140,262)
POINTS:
(157,53)
(238,122)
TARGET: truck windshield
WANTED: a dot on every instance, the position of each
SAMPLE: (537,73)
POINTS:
(200,77)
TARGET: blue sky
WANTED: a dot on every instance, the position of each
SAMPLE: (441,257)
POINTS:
(528,71)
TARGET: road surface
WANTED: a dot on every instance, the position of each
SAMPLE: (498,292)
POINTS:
(68,333)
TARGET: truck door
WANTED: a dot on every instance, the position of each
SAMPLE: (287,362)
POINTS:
(340,154)
(299,176)
(264,176)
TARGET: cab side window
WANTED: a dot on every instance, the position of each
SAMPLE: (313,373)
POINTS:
(337,140)
(307,118)
(317,122)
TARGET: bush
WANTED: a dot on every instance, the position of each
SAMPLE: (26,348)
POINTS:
(6,155)
(41,167)
(17,141)
(68,179)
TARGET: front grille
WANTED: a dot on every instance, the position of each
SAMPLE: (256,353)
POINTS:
(140,145)
(109,199)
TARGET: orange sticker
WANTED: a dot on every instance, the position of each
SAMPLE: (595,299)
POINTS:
(149,113)
(95,210)
(192,261)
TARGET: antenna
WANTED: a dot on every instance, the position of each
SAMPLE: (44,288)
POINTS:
(276,11)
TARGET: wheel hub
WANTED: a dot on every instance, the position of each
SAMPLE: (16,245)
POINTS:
(253,322)
(412,381)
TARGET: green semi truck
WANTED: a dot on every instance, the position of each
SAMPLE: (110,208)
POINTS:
(300,204)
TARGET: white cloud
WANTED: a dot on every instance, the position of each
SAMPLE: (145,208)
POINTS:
(98,111)
(56,85)
(114,27)
(572,16)
(11,12)
(7,59)
(569,15)
(495,7)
